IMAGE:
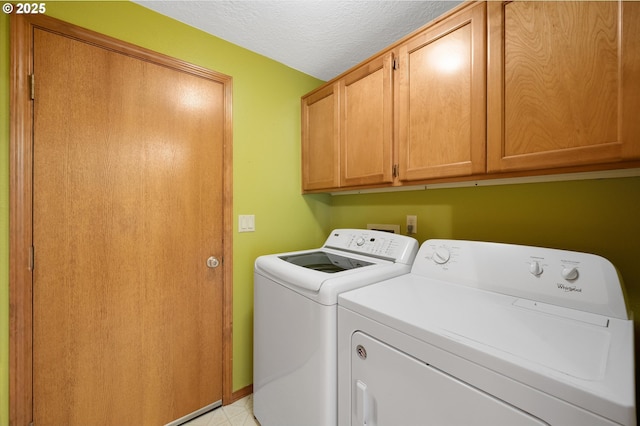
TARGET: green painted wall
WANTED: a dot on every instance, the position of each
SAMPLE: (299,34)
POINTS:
(266,116)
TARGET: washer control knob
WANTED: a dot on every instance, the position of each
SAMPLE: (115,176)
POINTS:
(360,241)
(441,256)
(536,268)
(570,273)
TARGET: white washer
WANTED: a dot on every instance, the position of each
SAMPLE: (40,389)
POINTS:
(295,315)
(488,334)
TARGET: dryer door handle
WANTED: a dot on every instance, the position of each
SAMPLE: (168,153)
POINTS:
(362,403)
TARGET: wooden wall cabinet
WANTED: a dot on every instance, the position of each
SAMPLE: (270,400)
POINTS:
(321,139)
(438,127)
(366,96)
(563,84)
(491,90)
(347,129)
(442,99)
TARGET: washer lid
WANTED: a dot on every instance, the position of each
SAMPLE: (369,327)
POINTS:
(349,258)
(323,287)
(324,262)
(307,270)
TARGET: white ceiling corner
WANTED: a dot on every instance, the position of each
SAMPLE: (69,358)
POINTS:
(322,38)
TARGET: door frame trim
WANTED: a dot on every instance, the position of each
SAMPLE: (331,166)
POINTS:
(21,207)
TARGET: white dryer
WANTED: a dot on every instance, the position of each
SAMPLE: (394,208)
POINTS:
(295,320)
(488,334)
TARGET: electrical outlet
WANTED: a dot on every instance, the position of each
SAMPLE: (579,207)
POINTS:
(412,224)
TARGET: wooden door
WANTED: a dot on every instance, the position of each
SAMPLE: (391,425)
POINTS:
(563,84)
(127,207)
(367,124)
(442,99)
(321,139)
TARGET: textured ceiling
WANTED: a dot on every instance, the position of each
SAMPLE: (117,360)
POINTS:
(319,38)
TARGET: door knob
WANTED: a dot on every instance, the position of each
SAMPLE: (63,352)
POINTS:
(213,262)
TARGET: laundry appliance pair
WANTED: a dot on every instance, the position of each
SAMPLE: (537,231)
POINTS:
(367,330)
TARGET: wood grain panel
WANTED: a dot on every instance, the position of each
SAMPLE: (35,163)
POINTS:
(367,124)
(20,229)
(441,70)
(561,84)
(630,123)
(109,212)
(442,108)
(561,75)
(127,207)
(21,159)
(320,139)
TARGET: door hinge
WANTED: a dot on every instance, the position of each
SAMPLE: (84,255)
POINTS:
(32,86)
(32,263)
(395,170)
(395,64)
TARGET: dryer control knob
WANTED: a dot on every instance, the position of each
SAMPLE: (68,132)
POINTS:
(441,256)
(536,268)
(360,241)
(570,273)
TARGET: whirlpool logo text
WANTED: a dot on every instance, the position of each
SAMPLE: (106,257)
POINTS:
(569,288)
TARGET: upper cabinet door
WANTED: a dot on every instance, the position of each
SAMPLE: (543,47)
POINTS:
(367,124)
(563,83)
(321,139)
(442,99)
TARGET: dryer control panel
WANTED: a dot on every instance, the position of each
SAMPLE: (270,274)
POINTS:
(384,245)
(575,280)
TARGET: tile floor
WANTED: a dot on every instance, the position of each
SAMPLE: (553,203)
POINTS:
(240,413)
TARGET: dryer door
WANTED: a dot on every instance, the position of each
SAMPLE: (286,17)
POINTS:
(390,387)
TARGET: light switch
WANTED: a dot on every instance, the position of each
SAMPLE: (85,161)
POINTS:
(246,223)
